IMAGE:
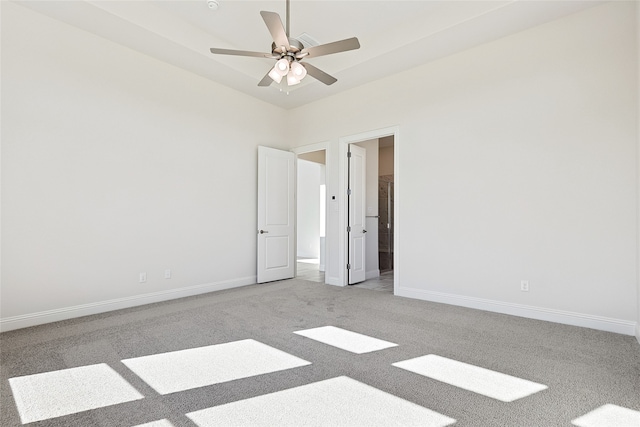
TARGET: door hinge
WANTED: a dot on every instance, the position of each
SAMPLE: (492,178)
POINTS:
(348,191)
(349,154)
(348,229)
(348,266)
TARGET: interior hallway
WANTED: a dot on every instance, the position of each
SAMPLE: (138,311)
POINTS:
(308,269)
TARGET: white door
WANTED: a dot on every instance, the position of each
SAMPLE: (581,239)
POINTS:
(276,210)
(356,204)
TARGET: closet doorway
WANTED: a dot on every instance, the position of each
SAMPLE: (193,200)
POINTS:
(380,218)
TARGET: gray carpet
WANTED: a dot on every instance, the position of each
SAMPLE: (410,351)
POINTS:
(583,368)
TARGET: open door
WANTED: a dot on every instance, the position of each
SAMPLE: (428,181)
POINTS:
(276,214)
(356,201)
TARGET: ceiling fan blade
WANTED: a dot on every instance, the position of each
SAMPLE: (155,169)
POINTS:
(319,74)
(329,48)
(242,53)
(266,80)
(274,24)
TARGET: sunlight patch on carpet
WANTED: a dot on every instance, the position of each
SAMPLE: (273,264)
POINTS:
(345,340)
(203,366)
(158,423)
(609,416)
(68,391)
(486,382)
(340,401)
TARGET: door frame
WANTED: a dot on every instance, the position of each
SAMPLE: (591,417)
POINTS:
(302,150)
(343,147)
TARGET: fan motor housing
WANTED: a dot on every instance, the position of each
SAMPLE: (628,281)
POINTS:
(294,47)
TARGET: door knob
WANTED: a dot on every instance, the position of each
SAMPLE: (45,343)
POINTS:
(364,231)
(262,231)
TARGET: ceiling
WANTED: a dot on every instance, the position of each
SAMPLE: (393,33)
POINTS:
(394,34)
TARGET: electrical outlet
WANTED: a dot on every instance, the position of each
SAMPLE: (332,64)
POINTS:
(167,274)
(143,277)
(524,285)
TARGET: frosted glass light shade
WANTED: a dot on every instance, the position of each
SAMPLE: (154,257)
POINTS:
(282,67)
(275,76)
(298,70)
(292,79)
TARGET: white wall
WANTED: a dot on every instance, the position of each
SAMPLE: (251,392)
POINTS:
(371,224)
(113,164)
(308,201)
(518,161)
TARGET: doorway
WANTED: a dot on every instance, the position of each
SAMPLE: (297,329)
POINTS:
(311,216)
(381,209)
(379,220)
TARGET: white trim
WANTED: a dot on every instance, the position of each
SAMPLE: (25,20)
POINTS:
(335,281)
(319,146)
(42,317)
(539,313)
(372,274)
(638,172)
(396,208)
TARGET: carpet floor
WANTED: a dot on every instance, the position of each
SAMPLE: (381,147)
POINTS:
(300,353)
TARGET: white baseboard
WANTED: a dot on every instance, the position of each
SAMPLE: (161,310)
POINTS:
(638,332)
(335,281)
(33,319)
(373,274)
(551,315)
(304,254)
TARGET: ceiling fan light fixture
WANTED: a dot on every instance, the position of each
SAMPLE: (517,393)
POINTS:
(292,79)
(298,70)
(275,76)
(282,67)
(289,51)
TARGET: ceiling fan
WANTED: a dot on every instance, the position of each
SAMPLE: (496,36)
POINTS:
(289,53)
